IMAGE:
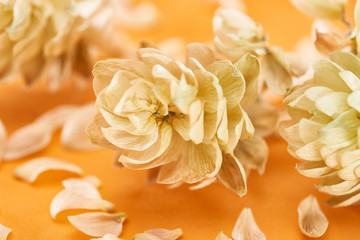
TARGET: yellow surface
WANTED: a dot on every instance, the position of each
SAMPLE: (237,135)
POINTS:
(201,214)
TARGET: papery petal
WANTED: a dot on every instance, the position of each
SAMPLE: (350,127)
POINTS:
(203,183)
(202,53)
(344,200)
(321,8)
(264,117)
(78,196)
(30,170)
(333,104)
(164,234)
(276,71)
(107,237)
(4,232)
(98,224)
(330,42)
(246,227)
(252,153)
(312,220)
(232,174)
(79,182)
(249,66)
(222,236)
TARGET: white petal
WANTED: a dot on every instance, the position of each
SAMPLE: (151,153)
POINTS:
(107,237)
(312,220)
(203,183)
(78,196)
(164,234)
(329,9)
(222,236)
(98,224)
(30,170)
(246,227)
(4,232)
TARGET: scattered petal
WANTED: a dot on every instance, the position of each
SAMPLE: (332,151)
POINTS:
(30,170)
(70,182)
(312,220)
(107,237)
(98,224)
(78,194)
(246,227)
(4,232)
(222,236)
(165,234)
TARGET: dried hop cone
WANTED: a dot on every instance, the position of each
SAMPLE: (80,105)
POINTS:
(48,39)
(185,120)
(324,129)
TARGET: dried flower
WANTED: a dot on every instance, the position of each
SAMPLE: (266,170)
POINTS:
(236,34)
(53,41)
(329,9)
(324,125)
(186,119)
(312,220)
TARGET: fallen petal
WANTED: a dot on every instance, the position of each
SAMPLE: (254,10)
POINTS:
(27,140)
(98,224)
(312,220)
(107,237)
(30,170)
(74,182)
(246,227)
(4,232)
(164,234)
(222,236)
(78,195)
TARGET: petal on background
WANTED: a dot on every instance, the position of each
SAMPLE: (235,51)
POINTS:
(78,196)
(312,220)
(232,175)
(98,224)
(30,170)
(222,236)
(4,232)
(164,234)
(246,227)
(107,237)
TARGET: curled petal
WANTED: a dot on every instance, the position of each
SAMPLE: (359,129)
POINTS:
(203,183)
(329,9)
(27,140)
(330,42)
(222,236)
(30,170)
(98,224)
(277,71)
(78,195)
(79,182)
(246,227)
(107,237)
(312,220)
(164,234)
(232,174)
(4,232)
(344,200)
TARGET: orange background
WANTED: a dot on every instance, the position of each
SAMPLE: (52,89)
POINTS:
(201,214)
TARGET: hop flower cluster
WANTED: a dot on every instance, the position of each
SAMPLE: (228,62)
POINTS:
(185,119)
(48,39)
(324,128)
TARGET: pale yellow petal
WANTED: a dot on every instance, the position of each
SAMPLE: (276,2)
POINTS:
(4,232)
(232,174)
(330,41)
(164,234)
(344,200)
(202,53)
(98,224)
(246,227)
(107,236)
(222,236)
(312,220)
(82,195)
(30,170)
(333,104)
(276,71)
(204,183)
(321,8)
